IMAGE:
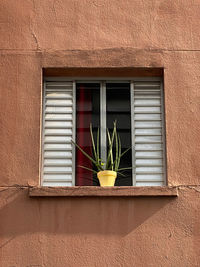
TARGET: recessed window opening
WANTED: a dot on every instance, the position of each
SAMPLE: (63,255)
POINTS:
(71,106)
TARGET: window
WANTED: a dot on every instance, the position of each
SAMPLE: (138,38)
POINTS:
(70,106)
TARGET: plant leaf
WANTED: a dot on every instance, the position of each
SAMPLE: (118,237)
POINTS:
(98,159)
(87,168)
(91,159)
(120,150)
(125,151)
(121,174)
(110,152)
(116,151)
(93,145)
(123,169)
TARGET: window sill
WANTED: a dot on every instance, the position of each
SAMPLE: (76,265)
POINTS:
(96,191)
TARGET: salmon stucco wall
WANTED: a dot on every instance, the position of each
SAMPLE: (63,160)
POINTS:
(98,231)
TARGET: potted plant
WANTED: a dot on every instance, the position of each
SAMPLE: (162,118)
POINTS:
(106,171)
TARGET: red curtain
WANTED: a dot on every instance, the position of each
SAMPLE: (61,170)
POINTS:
(84,117)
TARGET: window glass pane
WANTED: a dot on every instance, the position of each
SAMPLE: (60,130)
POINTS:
(87,111)
(119,109)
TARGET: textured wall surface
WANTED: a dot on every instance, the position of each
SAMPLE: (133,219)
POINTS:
(55,232)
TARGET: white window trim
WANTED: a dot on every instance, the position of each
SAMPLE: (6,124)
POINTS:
(103,82)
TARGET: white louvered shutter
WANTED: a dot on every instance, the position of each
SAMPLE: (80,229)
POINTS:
(58,119)
(148,134)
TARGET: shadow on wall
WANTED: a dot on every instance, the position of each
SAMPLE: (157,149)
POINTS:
(21,214)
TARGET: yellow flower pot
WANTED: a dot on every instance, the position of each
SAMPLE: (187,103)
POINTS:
(107,178)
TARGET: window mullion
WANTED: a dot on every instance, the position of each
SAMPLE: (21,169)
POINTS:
(103,121)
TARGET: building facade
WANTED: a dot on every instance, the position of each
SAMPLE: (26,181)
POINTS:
(83,226)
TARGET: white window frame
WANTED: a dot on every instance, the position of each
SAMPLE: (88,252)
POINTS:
(102,81)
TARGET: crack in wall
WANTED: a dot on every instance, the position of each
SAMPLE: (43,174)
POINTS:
(195,188)
(36,40)
(96,50)
(31,27)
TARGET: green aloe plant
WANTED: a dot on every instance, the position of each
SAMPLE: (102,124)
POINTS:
(113,159)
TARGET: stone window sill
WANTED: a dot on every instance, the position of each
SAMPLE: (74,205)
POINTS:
(96,191)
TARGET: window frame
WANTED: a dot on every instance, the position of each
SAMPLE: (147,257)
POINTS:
(103,81)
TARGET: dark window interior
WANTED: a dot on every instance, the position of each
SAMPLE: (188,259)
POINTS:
(119,110)
(88,111)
